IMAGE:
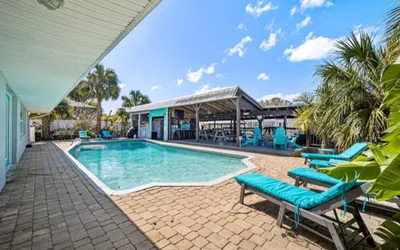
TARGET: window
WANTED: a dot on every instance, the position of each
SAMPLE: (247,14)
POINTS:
(22,121)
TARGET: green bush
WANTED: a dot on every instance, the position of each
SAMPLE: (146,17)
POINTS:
(90,133)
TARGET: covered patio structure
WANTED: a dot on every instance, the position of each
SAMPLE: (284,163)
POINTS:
(193,119)
(180,118)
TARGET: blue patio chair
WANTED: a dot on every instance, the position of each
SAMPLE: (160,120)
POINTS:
(247,140)
(310,205)
(347,155)
(83,135)
(106,134)
(279,138)
(292,142)
(259,138)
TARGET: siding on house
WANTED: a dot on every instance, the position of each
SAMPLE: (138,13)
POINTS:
(19,128)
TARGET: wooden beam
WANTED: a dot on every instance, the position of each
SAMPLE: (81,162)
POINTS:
(238,121)
(197,108)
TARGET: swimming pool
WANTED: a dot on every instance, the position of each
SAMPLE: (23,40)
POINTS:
(126,166)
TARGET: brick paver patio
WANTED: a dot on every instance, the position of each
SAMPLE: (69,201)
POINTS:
(48,204)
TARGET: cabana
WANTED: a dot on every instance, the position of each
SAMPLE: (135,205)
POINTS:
(189,118)
(180,118)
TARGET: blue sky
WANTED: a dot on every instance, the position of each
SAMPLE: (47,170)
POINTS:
(268,48)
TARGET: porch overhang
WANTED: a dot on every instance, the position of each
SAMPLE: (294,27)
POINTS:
(45,53)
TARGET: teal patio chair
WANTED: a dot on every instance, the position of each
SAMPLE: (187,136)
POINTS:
(347,155)
(247,140)
(106,134)
(292,142)
(259,138)
(312,206)
(279,138)
(83,135)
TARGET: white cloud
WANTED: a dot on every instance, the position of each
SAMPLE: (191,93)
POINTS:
(313,48)
(122,85)
(289,97)
(271,26)
(195,76)
(309,4)
(210,69)
(179,81)
(155,87)
(218,76)
(263,76)
(303,23)
(240,48)
(259,8)
(241,27)
(266,45)
(293,10)
(367,29)
(223,60)
(205,88)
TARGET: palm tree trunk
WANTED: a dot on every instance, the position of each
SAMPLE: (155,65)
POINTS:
(46,122)
(98,124)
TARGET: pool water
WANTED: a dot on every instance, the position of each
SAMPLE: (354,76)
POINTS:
(127,165)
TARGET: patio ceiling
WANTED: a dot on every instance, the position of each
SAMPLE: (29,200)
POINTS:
(45,53)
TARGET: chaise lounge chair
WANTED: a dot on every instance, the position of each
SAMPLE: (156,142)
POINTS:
(325,164)
(83,135)
(312,206)
(347,155)
(106,134)
(303,176)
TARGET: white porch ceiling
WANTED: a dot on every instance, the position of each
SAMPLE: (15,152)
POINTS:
(45,53)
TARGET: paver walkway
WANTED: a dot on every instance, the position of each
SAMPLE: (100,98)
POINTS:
(48,204)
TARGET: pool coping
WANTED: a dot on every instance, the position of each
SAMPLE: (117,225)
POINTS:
(100,186)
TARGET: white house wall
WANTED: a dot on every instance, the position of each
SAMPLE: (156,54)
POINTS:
(19,140)
(2,130)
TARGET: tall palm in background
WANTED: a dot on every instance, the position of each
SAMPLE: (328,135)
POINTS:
(348,102)
(100,85)
(135,98)
(122,116)
(62,111)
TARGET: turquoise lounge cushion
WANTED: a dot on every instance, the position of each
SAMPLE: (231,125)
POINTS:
(325,164)
(349,154)
(274,187)
(354,150)
(319,163)
(314,175)
(300,197)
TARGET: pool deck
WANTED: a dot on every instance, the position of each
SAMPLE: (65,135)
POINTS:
(48,204)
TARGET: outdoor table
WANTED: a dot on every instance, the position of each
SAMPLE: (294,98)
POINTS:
(219,134)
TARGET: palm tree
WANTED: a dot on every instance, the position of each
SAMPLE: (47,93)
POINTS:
(348,102)
(62,111)
(135,98)
(122,116)
(275,101)
(100,85)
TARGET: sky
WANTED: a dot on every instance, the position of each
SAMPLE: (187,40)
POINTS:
(268,48)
